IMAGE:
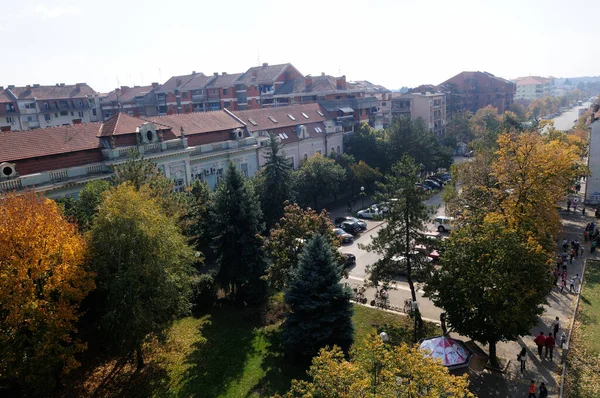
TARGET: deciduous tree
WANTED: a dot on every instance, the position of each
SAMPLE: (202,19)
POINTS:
(319,177)
(42,283)
(288,237)
(364,174)
(83,209)
(376,369)
(144,268)
(320,309)
(237,225)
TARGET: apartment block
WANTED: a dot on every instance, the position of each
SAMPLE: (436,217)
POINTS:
(134,101)
(477,90)
(530,88)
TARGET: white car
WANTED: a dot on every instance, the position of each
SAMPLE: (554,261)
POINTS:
(443,223)
(370,212)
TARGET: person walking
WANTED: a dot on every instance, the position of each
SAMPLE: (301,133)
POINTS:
(532,389)
(568,204)
(577,246)
(555,327)
(549,344)
(575,205)
(586,234)
(565,245)
(593,247)
(563,339)
(555,274)
(564,275)
(543,390)
(540,341)
(559,261)
(522,357)
(563,284)
(577,280)
(572,285)
(572,255)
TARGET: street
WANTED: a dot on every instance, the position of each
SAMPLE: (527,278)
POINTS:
(567,119)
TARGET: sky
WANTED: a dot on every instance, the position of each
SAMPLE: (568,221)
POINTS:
(107,43)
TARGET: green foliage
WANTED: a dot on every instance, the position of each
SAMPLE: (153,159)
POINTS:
(364,175)
(288,237)
(83,209)
(486,126)
(406,220)
(236,228)
(204,292)
(321,312)
(195,220)
(276,187)
(459,129)
(318,177)
(493,283)
(143,266)
(365,144)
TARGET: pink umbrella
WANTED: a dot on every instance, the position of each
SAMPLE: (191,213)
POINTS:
(452,353)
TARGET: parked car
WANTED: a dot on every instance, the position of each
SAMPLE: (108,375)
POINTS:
(437,179)
(432,184)
(429,252)
(349,259)
(444,223)
(345,237)
(423,186)
(362,224)
(350,227)
(370,212)
(419,264)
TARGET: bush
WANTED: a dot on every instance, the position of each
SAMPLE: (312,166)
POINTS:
(204,292)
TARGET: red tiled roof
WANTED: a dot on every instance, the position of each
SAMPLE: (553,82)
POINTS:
(280,114)
(49,141)
(126,95)
(122,123)
(227,80)
(80,90)
(5,97)
(197,122)
(529,80)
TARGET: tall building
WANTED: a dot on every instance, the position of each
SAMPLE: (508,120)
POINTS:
(477,90)
(135,101)
(47,106)
(9,117)
(532,87)
(431,108)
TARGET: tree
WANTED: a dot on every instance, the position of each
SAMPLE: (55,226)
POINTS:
(196,221)
(83,209)
(237,224)
(377,369)
(320,309)
(406,220)
(318,177)
(459,128)
(143,265)
(493,283)
(365,144)
(277,182)
(42,283)
(288,237)
(486,124)
(364,174)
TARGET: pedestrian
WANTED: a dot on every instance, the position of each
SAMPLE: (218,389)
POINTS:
(540,340)
(575,205)
(565,245)
(532,390)
(577,246)
(583,211)
(555,276)
(571,255)
(522,357)
(592,227)
(577,280)
(577,187)
(564,275)
(593,247)
(555,327)
(543,390)
(563,284)
(559,261)
(563,339)
(572,285)
(586,235)
(568,204)
(549,343)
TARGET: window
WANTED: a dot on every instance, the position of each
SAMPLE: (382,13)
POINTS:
(30,118)
(10,107)
(305,115)
(227,104)
(80,103)
(320,113)
(318,129)
(338,150)
(252,121)
(271,118)
(30,105)
(332,150)
(214,91)
(184,94)
(244,168)
(290,161)
(46,106)
(94,111)
(10,120)
(219,175)
(291,117)
(106,115)
(224,91)
(384,104)
(72,113)
(80,114)
(47,117)
(305,156)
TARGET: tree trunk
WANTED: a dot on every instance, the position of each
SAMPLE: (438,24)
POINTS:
(140,356)
(411,284)
(492,348)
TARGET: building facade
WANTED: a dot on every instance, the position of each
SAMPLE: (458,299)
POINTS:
(532,87)
(9,116)
(431,107)
(134,101)
(476,90)
(185,147)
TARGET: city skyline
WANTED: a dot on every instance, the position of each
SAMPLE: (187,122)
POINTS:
(393,44)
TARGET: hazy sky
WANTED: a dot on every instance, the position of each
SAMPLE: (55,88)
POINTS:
(393,43)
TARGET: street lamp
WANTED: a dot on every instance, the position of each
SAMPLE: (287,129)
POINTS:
(362,197)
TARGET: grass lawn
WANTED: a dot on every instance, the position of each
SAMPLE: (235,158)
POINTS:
(584,356)
(228,353)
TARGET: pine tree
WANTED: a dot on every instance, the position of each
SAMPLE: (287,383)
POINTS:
(321,312)
(236,228)
(276,188)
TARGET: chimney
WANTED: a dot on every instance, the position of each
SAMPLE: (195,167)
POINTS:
(308,80)
(28,87)
(36,85)
(11,86)
(340,82)
(178,82)
(193,72)
(265,64)
(215,74)
(77,86)
(322,73)
(154,84)
(62,84)
(1,87)
(124,88)
(223,73)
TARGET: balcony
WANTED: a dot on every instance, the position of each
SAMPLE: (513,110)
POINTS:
(155,147)
(223,147)
(198,98)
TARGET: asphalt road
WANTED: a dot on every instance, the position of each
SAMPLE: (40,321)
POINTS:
(567,119)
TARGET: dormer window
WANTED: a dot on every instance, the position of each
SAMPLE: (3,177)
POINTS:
(8,170)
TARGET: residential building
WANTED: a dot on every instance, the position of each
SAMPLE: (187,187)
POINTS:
(477,90)
(9,117)
(184,147)
(304,130)
(261,83)
(400,105)
(224,92)
(532,87)
(431,107)
(47,106)
(168,98)
(134,101)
